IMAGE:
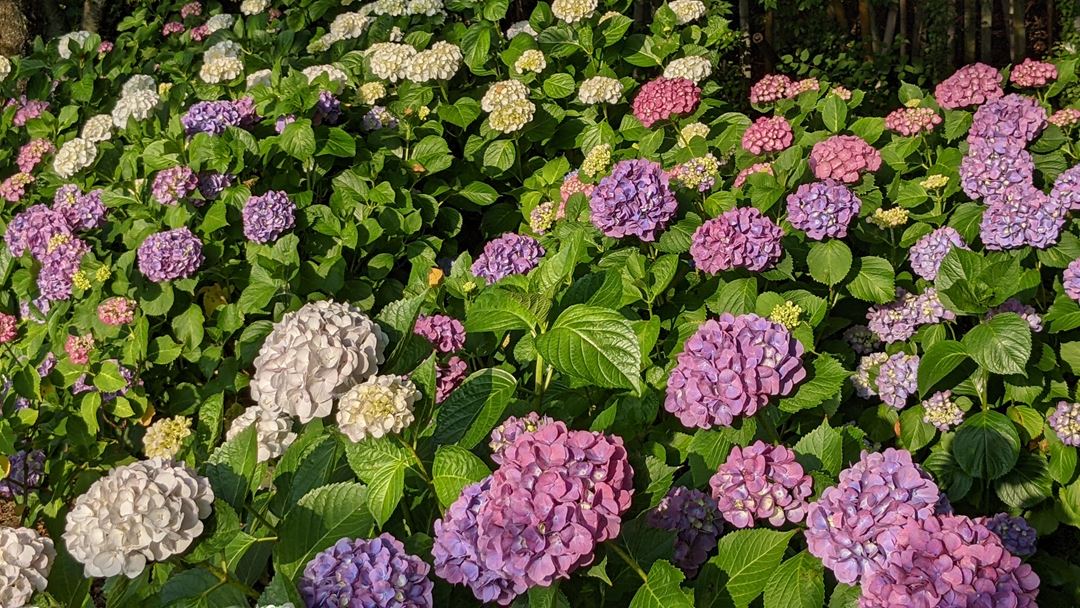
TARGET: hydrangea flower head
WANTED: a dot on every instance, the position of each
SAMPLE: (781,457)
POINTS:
(741,237)
(512,428)
(32,153)
(1065,420)
(509,254)
(740,179)
(1066,191)
(843,158)
(445,333)
(82,211)
(823,209)
(1017,119)
(378,406)
(695,519)
(768,134)
(1032,74)
(449,376)
(165,437)
(912,121)
(273,430)
(973,84)
(664,99)
(9,328)
(771,87)
(1071,280)
(375,573)
(174,184)
(1065,117)
(268,216)
(211,117)
(1016,534)
(634,200)
(26,558)
(931,249)
(941,411)
(1021,216)
(26,471)
(761,482)
(989,169)
(1026,312)
(898,379)
(33,228)
(169,255)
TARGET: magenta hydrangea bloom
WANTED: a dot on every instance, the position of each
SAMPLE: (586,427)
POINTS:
(768,134)
(449,376)
(695,519)
(117,311)
(1026,313)
(941,411)
(445,333)
(104,48)
(211,117)
(28,110)
(989,170)
(82,211)
(512,428)
(509,254)
(172,27)
(851,527)
(375,573)
(949,560)
(13,189)
(1033,74)
(1066,191)
(799,87)
(191,9)
(972,84)
(32,230)
(897,379)
(634,200)
(58,267)
(912,121)
(761,482)
(843,158)
(268,216)
(740,238)
(9,328)
(174,184)
(730,367)
(823,209)
(1021,215)
(1016,534)
(1065,420)
(861,339)
(32,153)
(1014,118)
(27,471)
(928,251)
(1071,280)
(665,98)
(771,87)
(170,254)
(740,179)
(78,348)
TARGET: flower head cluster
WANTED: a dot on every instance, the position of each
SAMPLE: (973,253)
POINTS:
(174,184)
(138,98)
(634,200)
(313,355)
(771,87)
(572,11)
(172,27)
(26,471)
(1032,74)
(445,333)
(894,217)
(1016,534)
(823,209)
(34,229)
(543,217)
(570,186)
(377,118)
(740,238)
(972,84)
(32,153)
(513,427)
(861,339)
(693,68)
(371,92)
(730,367)
(687,10)
(390,60)
(13,189)
(378,406)
(221,63)
(941,411)
(508,103)
(912,121)
(664,99)
(692,130)
(898,320)
(165,437)
(74,156)
(599,158)
(1065,420)
(531,60)
(78,348)
(59,267)
(865,377)
(81,211)
(211,117)
(117,311)
(897,379)
(928,252)
(698,173)
(1065,117)
(600,89)
(139,513)
(253,7)
(843,158)
(1066,190)
(1026,312)
(767,134)
(695,519)
(273,430)
(761,482)
(5,67)
(1015,119)
(28,110)
(786,313)
(935,181)
(509,254)
(1021,215)
(97,128)
(26,558)
(191,9)
(212,184)
(539,517)
(1070,279)
(520,27)
(376,573)
(71,42)
(170,254)
(988,170)
(9,328)
(740,179)
(267,216)
(443,60)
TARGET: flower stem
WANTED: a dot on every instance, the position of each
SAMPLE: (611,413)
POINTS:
(630,561)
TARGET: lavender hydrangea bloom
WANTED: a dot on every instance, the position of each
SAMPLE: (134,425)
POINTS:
(988,170)
(174,184)
(634,200)
(1065,420)
(1014,118)
(739,238)
(445,333)
(58,267)
(211,117)
(1021,215)
(512,428)
(212,184)
(927,253)
(1070,280)
(1026,313)
(851,527)
(1016,534)
(27,472)
(730,367)
(171,254)
(282,122)
(32,230)
(862,340)
(898,320)
(823,209)
(267,216)
(761,482)
(448,377)
(375,573)
(509,254)
(695,519)
(941,411)
(898,379)
(327,109)
(1066,190)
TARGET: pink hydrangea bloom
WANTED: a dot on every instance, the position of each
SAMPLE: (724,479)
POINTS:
(8,327)
(761,482)
(117,311)
(1065,117)
(768,134)
(739,238)
(770,88)
(740,179)
(32,153)
(572,185)
(843,157)
(445,333)
(13,189)
(172,27)
(78,348)
(912,121)
(972,84)
(665,98)
(799,87)
(1033,74)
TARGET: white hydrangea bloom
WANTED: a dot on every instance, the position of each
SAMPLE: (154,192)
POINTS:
(694,69)
(254,7)
(531,60)
(396,35)
(503,93)
(97,128)
(166,436)
(394,8)
(225,48)
(389,60)
(138,105)
(138,82)
(370,92)
(381,405)
(221,69)
(600,89)
(273,430)
(259,79)
(74,156)
(428,8)
(25,560)
(321,43)
(692,130)
(220,21)
(76,40)
(572,11)
(512,116)
(687,10)
(313,355)
(5,67)
(440,62)
(349,25)
(338,78)
(139,513)
(520,27)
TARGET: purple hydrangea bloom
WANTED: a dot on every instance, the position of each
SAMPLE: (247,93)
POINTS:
(282,122)
(375,573)
(634,200)
(695,519)
(941,411)
(245,106)
(212,183)
(1070,280)
(1065,420)
(898,320)
(27,472)
(267,216)
(512,428)
(927,253)
(865,377)
(1016,534)
(1066,190)
(47,365)
(1026,313)
(1021,215)
(761,482)
(509,254)
(448,377)
(949,560)
(32,230)
(377,118)
(823,209)
(898,379)
(739,238)
(29,110)
(82,211)
(445,333)
(730,367)
(851,528)
(327,109)
(988,170)
(58,266)
(211,117)
(861,339)
(1014,118)
(170,254)
(174,184)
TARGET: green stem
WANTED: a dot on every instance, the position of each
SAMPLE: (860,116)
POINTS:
(261,519)
(420,468)
(630,561)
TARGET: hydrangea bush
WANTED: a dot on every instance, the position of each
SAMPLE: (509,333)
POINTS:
(413,303)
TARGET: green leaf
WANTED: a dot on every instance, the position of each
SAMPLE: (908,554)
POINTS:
(1028,484)
(321,518)
(1001,345)
(834,113)
(594,344)
(987,445)
(495,311)
(829,261)
(874,280)
(663,589)
(189,326)
(473,409)
(797,583)
(109,379)
(500,154)
(231,468)
(198,588)
(938,362)
(821,449)
(298,140)
(914,433)
(385,489)
(453,469)
(1062,459)
(462,113)
(845,596)
(749,558)
(558,86)
(827,380)
(737,297)
(957,123)
(381,464)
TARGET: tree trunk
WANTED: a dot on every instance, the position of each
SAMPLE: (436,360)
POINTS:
(903,31)
(13,30)
(890,27)
(91,15)
(986,22)
(744,16)
(866,28)
(970,33)
(1019,31)
(836,7)
(917,32)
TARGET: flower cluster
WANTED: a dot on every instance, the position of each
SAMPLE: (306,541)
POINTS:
(687,10)
(82,211)
(739,238)
(1026,312)
(897,379)
(771,87)
(740,178)
(634,200)
(768,134)
(138,99)
(1065,420)
(898,320)
(695,519)
(941,411)
(699,173)
(843,158)
(211,117)
(78,348)
(170,255)
(445,333)
(912,121)
(928,252)
(513,427)
(1065,117)
(761,482)
(693,68)
(509,254)
(599,89)
(449,376)
(174,184)
(1016,534)
(376,572)
(32,153)
(1071,280)
(26,558)
(972,84)
(1032,74)
(26,471)
(823,209)
(267,216)
(865,377)
(221,63)
(165,438)
(273,430)
(74,156)
(665,99)
(9,329)
(378,406)
(572,11)
(508,104)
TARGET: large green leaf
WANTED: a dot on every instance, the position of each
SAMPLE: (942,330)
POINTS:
(473,409)
(874,280)
(1028,484)
(381,464)
(320,519)
(1001,345)
(829,261)
(663,589)
(453,469)
(749,558)
(797,583)
(231,468)
(593,344)
(822,448)
(495,310)
(986,445)
(938,362)
(827,379)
